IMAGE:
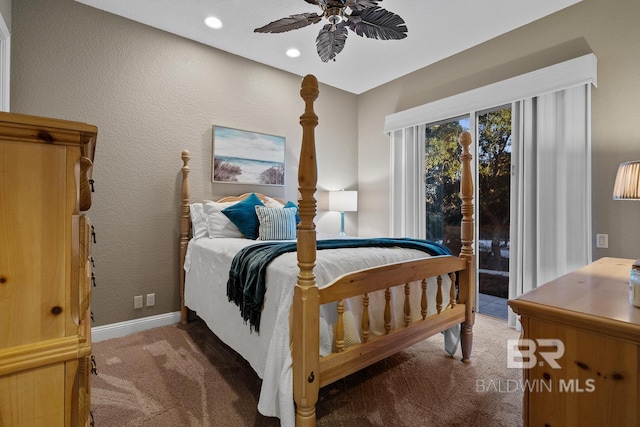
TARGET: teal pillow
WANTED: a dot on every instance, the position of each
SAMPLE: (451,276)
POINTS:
(243,215)
(293,205)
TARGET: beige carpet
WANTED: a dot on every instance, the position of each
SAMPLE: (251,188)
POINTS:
(184,376)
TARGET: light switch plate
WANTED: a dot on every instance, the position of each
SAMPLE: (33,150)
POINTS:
(602,241)
(137,301)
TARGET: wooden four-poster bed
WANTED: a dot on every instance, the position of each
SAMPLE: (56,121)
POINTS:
(410,297)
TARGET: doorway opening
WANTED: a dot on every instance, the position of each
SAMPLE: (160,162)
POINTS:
(492,165)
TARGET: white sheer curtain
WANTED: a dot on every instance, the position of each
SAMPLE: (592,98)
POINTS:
(551,188)
(551,183)
(407,187)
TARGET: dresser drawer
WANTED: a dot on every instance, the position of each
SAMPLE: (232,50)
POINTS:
(596,383)
(34,248)
(43,385)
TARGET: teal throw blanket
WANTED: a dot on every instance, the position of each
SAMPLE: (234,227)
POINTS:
(246,285)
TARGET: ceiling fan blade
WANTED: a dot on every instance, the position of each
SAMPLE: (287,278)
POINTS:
(330,43)
(361,4)
(377,23)
(312,2)
(289,23)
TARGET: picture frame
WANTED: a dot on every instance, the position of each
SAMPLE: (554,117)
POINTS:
(247,157)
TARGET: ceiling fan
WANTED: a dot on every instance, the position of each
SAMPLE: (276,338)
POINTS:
(364,17)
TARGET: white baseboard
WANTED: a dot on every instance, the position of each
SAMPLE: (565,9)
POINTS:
(117,330)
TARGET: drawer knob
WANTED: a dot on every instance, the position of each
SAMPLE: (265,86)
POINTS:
(56,310)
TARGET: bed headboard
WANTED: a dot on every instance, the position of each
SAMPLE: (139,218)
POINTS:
(185,221)
(263,198)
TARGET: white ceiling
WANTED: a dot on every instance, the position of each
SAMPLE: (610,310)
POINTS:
(437,29)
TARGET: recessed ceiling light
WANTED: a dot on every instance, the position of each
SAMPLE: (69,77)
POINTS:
(293,53)
(213,22)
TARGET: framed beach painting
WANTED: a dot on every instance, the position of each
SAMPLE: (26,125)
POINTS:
(245,157)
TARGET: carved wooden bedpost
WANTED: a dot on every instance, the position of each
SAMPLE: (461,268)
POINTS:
(185,229)
(468,293)
(305,321)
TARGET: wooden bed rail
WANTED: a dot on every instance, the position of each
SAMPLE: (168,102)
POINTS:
(338,365)
(388,275)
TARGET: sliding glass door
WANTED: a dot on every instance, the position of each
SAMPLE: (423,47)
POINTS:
(492,163)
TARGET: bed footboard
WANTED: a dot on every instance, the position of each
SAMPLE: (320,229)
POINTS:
(411,327)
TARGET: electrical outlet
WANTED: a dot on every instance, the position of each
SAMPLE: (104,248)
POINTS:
(602,241)
(137,301)
(151,300)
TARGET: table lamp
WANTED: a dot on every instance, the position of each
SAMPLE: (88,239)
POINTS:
(343,201)
(627,187)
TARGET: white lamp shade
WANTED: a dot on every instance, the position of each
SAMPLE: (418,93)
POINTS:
(627,186)
(343,201)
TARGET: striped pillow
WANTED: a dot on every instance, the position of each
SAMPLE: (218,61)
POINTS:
(276,223)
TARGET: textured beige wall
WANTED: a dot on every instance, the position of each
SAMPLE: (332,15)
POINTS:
(609,29)
(153,94)
(5,11)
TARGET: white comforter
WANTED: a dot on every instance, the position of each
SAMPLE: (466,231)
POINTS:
(207,265)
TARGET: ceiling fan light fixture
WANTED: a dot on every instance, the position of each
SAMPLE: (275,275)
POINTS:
(363,17)
(334,15)
(293,52)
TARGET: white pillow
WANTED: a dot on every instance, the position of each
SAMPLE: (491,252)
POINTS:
(276,223)
(272,203)
(218,225)
(198,221)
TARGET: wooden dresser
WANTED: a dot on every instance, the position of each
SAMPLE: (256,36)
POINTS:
(45,271)
(598,379)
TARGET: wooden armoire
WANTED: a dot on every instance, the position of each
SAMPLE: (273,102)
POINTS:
(45,271)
